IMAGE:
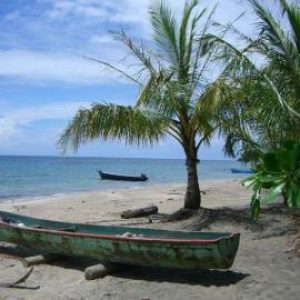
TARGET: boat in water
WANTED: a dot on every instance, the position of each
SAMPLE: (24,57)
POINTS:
(111,176)
(241,171)
(126,245)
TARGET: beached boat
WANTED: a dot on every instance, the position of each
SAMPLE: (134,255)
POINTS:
(111,176)
(241,171)
(127,245)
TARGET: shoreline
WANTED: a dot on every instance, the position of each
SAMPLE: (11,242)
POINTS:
(50,197)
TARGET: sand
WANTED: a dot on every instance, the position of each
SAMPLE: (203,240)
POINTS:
(263,269)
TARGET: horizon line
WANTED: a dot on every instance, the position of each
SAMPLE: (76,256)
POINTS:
(104,157)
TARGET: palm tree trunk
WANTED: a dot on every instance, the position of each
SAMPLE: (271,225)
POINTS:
(192,198)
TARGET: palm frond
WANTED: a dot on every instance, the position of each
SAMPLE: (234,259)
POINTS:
(137,51)
(192,38)
(185,44)
(206,106)
(115,122)
(165,31)
(114,68)
(157,95)
(197,69)
(276,43)
(293,12)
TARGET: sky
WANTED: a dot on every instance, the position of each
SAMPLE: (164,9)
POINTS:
(45,76)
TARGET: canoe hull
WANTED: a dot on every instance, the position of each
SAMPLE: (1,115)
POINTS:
(136,251)
(109,176)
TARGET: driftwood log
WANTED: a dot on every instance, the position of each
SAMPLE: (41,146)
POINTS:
(39,259)
(100,270)
(141,212)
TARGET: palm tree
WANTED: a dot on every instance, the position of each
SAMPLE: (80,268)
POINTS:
(262,99)
(280,46)
(175,98)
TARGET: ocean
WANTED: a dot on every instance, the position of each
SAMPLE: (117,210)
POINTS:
(24,177)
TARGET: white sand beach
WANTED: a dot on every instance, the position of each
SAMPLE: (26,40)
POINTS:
(263,268)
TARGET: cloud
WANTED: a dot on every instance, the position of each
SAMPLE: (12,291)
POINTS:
(39,67)
(13,122)
(133,12)
(57,33)
(119,11)
(11,16)
(8,129)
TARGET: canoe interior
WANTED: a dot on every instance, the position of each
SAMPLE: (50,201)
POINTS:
(110,230)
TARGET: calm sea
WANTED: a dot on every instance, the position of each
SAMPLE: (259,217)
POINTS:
(34,176)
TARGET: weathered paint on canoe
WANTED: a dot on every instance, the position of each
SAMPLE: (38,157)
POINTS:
(179,249)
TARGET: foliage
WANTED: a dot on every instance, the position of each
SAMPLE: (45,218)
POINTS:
(279,173)
(261,107)
(175,98)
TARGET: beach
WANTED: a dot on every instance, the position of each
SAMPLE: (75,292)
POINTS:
(263,268)
(116,106)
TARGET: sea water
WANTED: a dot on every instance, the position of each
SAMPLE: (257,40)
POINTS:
(35,176)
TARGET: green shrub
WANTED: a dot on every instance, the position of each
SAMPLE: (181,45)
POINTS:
(278,172)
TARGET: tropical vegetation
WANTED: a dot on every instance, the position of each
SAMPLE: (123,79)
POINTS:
(261,105)
(262,82)
(277,174)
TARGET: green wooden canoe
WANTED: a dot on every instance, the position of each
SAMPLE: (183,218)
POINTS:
(127,245)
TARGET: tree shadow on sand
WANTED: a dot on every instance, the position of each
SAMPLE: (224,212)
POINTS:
(271,219)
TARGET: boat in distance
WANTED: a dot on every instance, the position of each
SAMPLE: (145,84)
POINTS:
(111,176)
(126,245)
(241,171)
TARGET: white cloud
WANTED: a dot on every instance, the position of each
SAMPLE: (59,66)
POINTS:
(119,11)
(53,111)
(8,130)
(11,16)
(12,122)
(79,27)
(39,67)
(64,8)
(135,13)
(104,39)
